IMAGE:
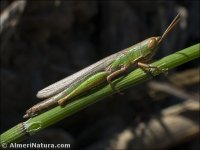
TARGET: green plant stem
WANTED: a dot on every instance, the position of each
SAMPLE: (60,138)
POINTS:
(35,124)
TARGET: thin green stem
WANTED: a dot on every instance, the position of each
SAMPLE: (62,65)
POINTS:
(38,123)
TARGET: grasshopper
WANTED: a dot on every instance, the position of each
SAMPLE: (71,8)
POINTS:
(104,70)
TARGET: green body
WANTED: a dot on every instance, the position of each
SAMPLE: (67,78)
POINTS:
(128,58)
(132,54)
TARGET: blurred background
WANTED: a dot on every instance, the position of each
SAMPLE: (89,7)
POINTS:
(45,41)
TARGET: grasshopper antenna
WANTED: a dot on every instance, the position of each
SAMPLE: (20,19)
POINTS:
(170,27)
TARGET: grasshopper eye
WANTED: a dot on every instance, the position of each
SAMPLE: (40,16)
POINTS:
(152,43)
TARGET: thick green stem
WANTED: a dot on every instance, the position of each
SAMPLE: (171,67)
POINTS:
(35,124)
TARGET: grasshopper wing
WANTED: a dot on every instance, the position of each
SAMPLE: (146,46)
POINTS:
(77,77)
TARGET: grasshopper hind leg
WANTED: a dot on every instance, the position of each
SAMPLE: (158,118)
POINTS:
(85,86)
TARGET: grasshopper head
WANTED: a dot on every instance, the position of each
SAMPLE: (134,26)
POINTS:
(153,42)
(151,45)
